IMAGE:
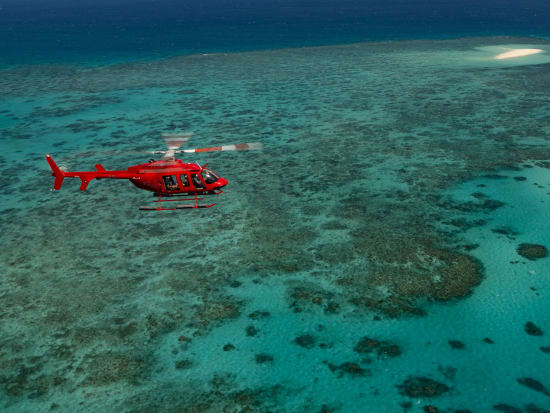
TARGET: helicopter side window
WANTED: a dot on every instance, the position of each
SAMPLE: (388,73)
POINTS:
(184,180)
(197,181)
(170,183)
(209,176)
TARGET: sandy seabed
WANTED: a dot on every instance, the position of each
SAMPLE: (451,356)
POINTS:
(518,53)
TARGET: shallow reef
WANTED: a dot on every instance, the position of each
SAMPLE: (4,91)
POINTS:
(532,251)
(457,344)
(382,348)
(422,387)
(534,384)
(343,228)
(532,329)
(348,368)
(305,341)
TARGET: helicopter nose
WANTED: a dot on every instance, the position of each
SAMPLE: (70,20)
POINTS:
(222,182)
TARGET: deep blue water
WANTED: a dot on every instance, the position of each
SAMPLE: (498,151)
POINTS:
(96,31)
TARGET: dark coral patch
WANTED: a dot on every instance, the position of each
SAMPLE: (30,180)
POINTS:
(502,407)
(487,205)
(184,364)
(449,372)
(348,368)
(507,231)
(305,341)
(532,251)
(327,409)
(383,348)
(401,264)
(533,408)
(534,385)
(263,358)
(406,405)
(331,308)
(457,344)
(259,314)
(532,329)
(464,224)
(251,331)
(422,387)
(108,368)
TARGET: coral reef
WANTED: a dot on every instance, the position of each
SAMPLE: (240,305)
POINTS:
(422,387)
(532,251)
(532,329)
(106,308)
(382,348)
(305,341)
(502,407)
(534,385)
(348,368)
(263,358)
(457,344)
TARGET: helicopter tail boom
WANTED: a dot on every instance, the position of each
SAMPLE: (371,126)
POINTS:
(85,177)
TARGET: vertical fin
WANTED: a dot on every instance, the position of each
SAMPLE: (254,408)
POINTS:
(58,173)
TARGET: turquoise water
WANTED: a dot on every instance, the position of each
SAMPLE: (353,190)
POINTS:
(388,204)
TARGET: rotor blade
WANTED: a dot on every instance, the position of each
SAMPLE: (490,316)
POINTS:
(254,146)
(175,140)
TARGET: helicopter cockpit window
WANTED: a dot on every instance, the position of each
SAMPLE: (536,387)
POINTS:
(209,176)
(197,181)
(184,180)
(170,183)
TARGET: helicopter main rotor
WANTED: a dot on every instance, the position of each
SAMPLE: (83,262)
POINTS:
(175,140)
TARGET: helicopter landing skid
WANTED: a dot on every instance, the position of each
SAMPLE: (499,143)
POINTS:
(178,206)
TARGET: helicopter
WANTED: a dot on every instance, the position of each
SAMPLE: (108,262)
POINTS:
(168,177)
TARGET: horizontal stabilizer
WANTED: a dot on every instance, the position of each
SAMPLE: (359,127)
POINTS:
(84,181)
(58,182)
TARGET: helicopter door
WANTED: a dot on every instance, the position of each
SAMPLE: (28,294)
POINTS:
(171,183)
(197,181)
(184,178)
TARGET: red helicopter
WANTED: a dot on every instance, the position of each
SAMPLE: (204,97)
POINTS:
(168,177)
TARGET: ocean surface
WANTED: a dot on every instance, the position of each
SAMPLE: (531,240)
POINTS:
(103,31)
(385,252)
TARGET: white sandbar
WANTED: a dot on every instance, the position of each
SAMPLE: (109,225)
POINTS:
(517,53)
